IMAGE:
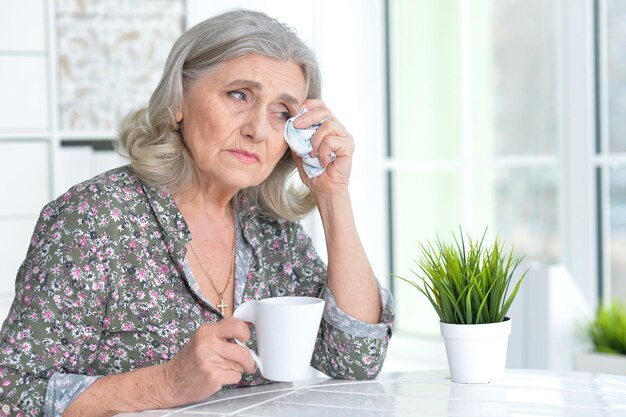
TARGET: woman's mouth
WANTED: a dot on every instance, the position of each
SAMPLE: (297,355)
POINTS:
(245,156)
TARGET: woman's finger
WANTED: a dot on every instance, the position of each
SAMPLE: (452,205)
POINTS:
(218,361)
(230,378)
(239,355)
(218,338)
(313,117)
(231,328)
(340,146)
(327,129)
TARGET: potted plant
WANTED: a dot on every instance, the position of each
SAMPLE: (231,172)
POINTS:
(607,333)
(470,286)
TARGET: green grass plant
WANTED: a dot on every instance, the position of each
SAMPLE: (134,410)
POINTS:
(467,283)
(608,329)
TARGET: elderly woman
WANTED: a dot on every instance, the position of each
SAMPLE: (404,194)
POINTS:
(124,301)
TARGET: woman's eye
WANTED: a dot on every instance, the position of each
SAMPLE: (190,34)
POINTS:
(238,95)
(285,115)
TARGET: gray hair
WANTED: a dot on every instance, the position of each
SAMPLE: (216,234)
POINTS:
(150,137)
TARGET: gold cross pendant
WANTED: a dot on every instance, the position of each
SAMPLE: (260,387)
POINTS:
(222,306)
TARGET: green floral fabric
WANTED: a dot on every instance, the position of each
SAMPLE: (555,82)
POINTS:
(103,290)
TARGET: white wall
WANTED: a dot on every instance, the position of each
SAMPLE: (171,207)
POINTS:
(24,163)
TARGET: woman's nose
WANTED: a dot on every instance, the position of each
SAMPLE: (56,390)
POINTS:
(256,127)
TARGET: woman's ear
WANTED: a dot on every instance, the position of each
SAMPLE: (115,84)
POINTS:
(178,115)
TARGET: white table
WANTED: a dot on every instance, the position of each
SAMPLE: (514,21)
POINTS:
(424,394)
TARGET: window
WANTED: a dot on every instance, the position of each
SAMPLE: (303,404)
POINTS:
(475,95)
(611,145)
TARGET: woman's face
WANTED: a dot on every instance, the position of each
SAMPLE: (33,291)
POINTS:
(234,116)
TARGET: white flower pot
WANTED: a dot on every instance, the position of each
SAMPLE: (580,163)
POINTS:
(476,352)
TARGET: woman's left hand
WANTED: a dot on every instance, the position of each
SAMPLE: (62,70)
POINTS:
(330,137)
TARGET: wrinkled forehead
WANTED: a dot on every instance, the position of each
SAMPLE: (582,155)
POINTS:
(249,61)
(284,79)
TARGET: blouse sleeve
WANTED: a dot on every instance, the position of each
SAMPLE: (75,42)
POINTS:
(54,323)
(62,390)
(346,348)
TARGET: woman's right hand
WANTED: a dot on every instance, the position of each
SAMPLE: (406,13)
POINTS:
(199,370)
(208,362)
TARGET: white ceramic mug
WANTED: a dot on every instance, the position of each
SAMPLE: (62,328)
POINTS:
(286,329)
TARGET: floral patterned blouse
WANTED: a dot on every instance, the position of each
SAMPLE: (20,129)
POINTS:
(105,288)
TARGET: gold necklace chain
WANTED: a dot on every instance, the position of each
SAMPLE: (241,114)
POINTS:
(220,294)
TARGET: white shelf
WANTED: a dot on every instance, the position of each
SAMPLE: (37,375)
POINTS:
(81,135)
(35,135)
(66,136)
